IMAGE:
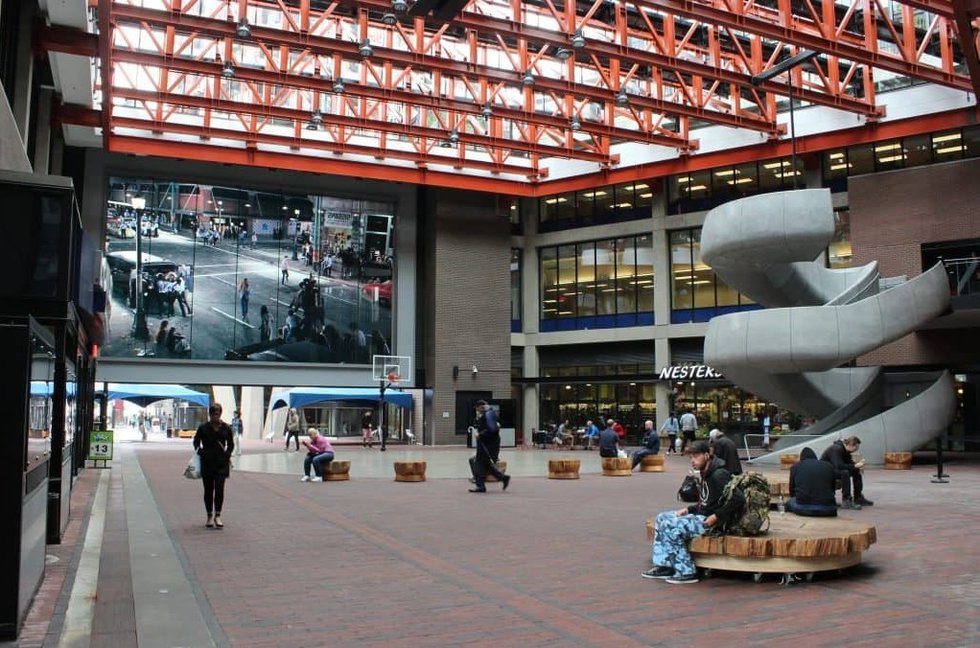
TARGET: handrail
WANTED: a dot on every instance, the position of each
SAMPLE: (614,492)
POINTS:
(761,437)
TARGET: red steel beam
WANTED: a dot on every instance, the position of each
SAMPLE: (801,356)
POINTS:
(67,40)
(968,25)
(788,29)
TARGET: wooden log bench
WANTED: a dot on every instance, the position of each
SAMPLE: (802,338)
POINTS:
(502,467)
(337,470)
(652,463)
(898,461)
(617,466)
(563,468)
(409,471)
(788,459)
(794,545)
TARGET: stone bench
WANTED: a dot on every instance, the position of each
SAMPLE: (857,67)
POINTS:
(652,463)
(337,470)
(502,467)
(563,468)
(617,466)
(793,545)
(898,461)
(409,471)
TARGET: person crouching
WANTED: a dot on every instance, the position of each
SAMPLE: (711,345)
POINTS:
(671,559)
(319,454)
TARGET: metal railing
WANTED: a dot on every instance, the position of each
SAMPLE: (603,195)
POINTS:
(774,439)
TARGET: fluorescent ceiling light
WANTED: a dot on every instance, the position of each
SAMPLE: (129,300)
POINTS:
(946,138)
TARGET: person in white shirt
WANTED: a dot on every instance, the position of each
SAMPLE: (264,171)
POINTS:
(689,428)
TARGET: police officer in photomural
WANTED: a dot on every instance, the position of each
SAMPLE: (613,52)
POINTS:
(487,448)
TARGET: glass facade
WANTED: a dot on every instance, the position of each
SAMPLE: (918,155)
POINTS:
(898,154)
(615,393)
(238,273)
(701,190)
(697,294)
(610,204)
(597,284)
(839,250)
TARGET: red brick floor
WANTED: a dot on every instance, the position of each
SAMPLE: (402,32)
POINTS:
(372,562)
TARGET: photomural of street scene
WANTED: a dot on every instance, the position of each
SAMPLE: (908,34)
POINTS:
(232,273)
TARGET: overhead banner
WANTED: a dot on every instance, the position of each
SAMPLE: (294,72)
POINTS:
(689,372)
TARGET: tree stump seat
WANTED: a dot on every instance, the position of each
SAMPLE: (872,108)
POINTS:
(788,459)
(617,466)
(794,544)
(409,471)
(502,467)
(898,461)
(563,468)
(652,463)
(337,470)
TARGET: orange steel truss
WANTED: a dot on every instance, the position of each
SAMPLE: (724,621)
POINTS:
(493,97)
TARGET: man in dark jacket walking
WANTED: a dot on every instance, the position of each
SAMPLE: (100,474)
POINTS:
(811,486)
(839,456)
(487,448)
(671,558)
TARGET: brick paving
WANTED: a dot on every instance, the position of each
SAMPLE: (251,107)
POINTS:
(372,562)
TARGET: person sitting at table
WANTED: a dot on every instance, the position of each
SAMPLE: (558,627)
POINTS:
(812,486)
(564,435)
(319,454)
(591,434)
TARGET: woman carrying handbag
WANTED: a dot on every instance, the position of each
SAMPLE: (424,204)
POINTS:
(214,443)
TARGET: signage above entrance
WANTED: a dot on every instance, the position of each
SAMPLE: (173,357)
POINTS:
(689,372)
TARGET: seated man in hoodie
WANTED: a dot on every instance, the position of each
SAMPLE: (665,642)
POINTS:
(671,558)
(812,486)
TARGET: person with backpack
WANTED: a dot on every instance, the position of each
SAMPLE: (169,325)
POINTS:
(670,556)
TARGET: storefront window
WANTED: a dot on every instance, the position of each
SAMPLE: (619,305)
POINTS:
(579,399)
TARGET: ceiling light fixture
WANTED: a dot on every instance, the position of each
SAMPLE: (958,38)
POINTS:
(365,49)
(338,86)
(401,6)
(575,124)
(453,136)
(243,30)
(316,121)
(563,53)
(578,40)
(389,18)
(487,110)
(228,70)
(622,98)
(528,78)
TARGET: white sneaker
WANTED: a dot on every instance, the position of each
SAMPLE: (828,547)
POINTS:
(305,478)
(316,479)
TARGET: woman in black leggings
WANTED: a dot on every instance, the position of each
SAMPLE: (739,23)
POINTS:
(214,442)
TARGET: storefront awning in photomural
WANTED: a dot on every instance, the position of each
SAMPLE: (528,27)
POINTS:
(143,395)
(304,396)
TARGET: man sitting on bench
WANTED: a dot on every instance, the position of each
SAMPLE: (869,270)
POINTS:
(811,486)
(671,559)
(839,455)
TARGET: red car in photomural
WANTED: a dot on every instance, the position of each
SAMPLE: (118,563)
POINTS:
(380,291)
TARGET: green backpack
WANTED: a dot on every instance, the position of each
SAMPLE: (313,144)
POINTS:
(754,518)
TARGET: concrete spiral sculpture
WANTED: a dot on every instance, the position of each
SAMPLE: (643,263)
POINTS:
(770,247)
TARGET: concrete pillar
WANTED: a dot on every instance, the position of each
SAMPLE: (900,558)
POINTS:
(225,396)
(530,404)
(662,356)
(253,412)
(42,133)
(24,72)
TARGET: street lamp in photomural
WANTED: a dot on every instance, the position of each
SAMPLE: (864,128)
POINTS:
(140,329)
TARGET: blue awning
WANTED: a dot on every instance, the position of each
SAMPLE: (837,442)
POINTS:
(143,395)
(303,396)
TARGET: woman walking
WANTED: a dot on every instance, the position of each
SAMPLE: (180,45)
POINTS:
(214,442)
(244,293)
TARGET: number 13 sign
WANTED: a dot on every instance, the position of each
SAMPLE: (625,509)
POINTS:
(100,445)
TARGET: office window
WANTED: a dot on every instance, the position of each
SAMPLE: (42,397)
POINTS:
(605,268)
(681,266)
(549,282)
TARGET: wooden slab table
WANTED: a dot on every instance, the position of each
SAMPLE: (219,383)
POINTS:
(793,545)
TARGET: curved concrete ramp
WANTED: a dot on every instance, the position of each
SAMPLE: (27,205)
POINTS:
(817,320)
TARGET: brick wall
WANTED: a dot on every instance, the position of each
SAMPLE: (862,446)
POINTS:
(892,214)
(466,295)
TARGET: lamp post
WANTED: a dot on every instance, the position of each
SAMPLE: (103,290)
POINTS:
(779,68)
(140,329)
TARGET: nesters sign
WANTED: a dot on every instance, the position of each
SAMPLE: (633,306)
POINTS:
(689,372)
